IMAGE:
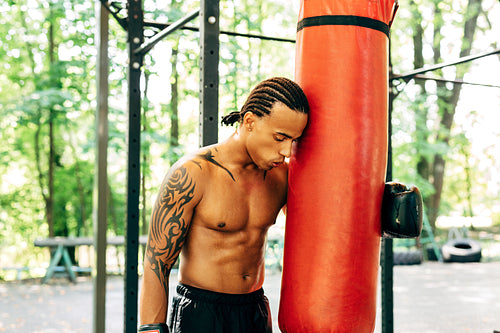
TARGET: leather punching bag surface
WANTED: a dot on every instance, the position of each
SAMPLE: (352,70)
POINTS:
(337,170)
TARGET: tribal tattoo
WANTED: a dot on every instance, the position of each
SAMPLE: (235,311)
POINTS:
(168,225)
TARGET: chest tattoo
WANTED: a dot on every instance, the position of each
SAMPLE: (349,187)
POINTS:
(208,156)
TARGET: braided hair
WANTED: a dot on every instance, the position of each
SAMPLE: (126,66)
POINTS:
(265,94)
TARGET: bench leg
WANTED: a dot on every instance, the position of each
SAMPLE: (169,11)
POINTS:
(53,263)
(69,265)
(61,252)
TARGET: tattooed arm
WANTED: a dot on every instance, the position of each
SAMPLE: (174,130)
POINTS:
(168,229)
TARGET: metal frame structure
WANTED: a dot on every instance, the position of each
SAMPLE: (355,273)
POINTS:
(209,72)
(209,86)
(135,24)
(101,182)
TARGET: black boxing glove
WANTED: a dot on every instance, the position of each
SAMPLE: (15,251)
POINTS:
(402,211)
(154,328)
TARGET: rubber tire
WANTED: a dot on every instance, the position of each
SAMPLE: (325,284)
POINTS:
(408,258)
(461,250)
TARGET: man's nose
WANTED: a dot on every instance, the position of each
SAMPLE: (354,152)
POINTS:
(286,150)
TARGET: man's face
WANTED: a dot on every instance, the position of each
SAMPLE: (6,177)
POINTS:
(271,137)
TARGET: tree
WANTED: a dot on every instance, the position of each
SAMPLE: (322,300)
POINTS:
(246,61)
(434,104)
(47,93)
(44,93)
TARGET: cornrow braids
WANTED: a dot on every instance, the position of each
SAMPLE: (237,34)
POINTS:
(265,94)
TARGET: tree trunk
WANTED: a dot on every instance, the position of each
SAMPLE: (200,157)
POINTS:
(421,112)
(421,133)
(41,177)
(468,180)
(49,198)
(433,170)
(82,228)
(82,216)
(448,108)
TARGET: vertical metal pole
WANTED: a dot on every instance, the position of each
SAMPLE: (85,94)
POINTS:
(387,284)
(387,255)
(135,39)
(209,72)
(100,183)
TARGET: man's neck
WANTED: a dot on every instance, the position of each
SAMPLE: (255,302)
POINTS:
(234,153)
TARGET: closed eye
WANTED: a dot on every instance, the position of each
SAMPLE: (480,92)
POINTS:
(279,138)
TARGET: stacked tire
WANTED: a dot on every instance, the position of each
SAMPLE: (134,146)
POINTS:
(461,250)
(408,258)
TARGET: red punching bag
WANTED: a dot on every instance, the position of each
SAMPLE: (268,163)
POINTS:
(337,170)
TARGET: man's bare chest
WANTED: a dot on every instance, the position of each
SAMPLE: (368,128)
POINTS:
(232,206)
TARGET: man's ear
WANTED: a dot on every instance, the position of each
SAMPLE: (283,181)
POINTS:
(248,120)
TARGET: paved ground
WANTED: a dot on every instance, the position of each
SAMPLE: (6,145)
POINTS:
(432,297)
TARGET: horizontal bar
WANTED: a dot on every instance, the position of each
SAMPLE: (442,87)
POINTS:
(222,32)
(440,79)
(144,48)
(411,74)
(79,241)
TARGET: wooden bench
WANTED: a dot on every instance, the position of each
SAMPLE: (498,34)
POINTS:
(274,253)
(61,254)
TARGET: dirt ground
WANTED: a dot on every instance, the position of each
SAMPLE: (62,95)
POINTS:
(431,297)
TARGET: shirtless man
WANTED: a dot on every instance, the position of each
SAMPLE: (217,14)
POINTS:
(213,211)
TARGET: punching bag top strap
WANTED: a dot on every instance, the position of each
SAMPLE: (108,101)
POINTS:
(359,21)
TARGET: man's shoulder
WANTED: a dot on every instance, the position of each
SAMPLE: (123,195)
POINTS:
(187,175)
(196,163)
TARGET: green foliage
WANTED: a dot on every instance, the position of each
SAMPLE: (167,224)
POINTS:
(427,32)
(247,61)
(48,62)
(47,93)
(44,92)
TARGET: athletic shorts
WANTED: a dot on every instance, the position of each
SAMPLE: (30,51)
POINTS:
(197,310)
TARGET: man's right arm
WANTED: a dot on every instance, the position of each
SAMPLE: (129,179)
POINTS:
(169,225)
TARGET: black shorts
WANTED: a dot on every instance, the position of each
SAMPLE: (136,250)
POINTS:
(197,310)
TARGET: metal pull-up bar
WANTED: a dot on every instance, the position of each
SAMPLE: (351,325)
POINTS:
(412,74)
(144,48)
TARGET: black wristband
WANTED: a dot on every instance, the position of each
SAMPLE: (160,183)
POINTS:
(154,328)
